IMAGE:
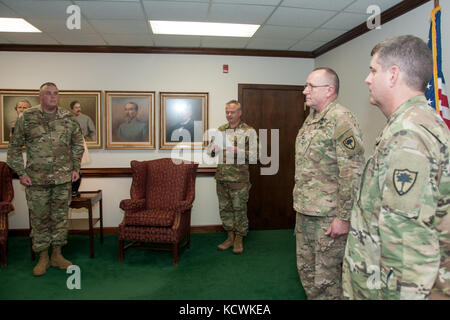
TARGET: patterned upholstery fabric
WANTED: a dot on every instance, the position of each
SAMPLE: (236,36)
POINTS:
(6,196)
(159,210)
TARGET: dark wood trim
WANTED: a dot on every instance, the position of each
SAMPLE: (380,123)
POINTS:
(126,172)
(386,16)
(156,50)
(113,230)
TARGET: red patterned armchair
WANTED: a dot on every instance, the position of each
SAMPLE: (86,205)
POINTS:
(6,196)
(159,210)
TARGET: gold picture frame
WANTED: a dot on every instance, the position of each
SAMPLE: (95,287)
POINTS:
(183,119)
(130,119)
(8,100)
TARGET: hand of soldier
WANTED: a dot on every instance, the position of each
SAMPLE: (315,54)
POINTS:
(338,228)
(25,180)
(75,176)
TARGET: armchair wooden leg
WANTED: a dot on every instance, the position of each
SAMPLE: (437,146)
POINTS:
(120,250)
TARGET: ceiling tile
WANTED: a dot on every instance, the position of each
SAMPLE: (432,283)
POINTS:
(120,26)
(224,42)
(79,39)
(269,31)
(110,10)
(307,45)
(318,4)
(27,38)
(361,6)
(270,43)
(176,41)
(39,9)
(345,21)
(128,40)
(249,14)
(5,12)
(176,11)
(300,17)
(323,35)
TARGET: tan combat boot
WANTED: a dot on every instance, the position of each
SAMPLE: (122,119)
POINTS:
(57,260)
(238,246)
(42,265)
(228,243)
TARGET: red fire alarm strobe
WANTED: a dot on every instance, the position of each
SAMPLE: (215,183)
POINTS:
(225,68)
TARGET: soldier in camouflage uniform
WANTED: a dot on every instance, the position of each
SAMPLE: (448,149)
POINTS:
(328,163)
(236,151)
(54,147)
(399,241)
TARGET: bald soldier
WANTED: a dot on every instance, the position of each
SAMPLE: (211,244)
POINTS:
(399,241)
(328,163)
(54,147)
(233,176)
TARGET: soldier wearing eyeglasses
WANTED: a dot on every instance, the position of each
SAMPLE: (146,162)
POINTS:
(329,158)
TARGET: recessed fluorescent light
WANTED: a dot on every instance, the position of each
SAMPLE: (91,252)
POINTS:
(203,28)
(16,25)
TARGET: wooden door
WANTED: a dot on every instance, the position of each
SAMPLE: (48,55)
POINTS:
(273,107)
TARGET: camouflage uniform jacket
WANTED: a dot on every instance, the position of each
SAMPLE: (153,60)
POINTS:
(240,138)
(329,158)
(399,240)
(53,148)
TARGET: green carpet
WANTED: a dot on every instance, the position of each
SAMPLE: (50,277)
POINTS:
(265,271)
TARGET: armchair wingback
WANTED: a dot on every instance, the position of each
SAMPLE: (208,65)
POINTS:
(159,208)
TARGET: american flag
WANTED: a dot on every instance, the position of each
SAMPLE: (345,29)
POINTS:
(436,93)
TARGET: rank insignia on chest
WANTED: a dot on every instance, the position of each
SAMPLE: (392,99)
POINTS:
(349,143)
(404,180)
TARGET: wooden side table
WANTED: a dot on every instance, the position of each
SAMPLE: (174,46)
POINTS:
(88,199)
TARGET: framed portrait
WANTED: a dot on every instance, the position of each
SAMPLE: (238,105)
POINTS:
(183,119)
(12,103)
(86,107)
(130,119)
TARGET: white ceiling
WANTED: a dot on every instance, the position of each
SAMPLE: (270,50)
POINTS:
(296,25)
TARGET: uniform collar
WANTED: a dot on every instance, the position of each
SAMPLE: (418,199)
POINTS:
(239,126)
(399,111)
(59,113)
(404,106)
(317,117)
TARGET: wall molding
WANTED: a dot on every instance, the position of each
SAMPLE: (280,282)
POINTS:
(126,172)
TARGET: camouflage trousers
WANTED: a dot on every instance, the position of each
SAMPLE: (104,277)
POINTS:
(319,258)
(48,207)
(233,197)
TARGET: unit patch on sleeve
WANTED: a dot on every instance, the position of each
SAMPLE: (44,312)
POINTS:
(404,180)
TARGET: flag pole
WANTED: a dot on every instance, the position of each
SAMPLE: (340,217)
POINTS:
(436,3)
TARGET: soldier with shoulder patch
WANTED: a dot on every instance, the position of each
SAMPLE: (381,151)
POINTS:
(329,158)
(399,241)
(54,147)
(237,149)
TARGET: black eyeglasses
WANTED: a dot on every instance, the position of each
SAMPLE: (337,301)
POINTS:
(310,86)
